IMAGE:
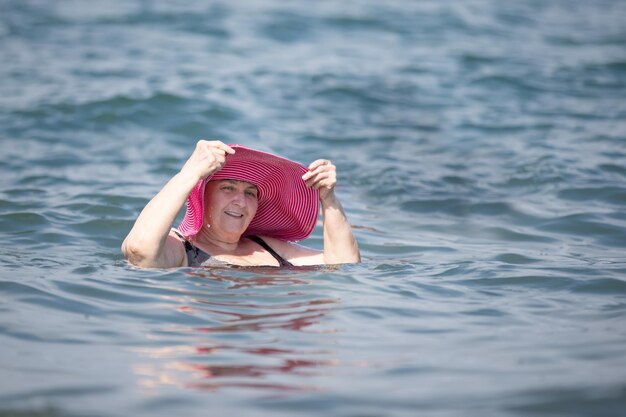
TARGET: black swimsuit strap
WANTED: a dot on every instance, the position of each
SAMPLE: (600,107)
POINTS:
(186,243)
(195,255)
(281,261)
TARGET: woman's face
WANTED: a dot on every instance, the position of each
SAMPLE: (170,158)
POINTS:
(230,206)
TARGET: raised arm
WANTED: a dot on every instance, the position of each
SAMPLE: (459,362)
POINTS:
(340,246)
(149,243)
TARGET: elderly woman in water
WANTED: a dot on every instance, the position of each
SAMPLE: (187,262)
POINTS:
(244,208)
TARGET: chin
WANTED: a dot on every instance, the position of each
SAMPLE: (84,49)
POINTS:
(235,232)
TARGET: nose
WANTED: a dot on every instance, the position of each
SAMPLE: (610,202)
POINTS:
(239,199)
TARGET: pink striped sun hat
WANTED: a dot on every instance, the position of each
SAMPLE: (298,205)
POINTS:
(287,210)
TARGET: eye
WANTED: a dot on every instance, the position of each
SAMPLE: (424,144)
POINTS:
(228,188)
(251,193)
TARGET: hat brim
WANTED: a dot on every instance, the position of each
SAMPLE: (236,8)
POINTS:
(287,209)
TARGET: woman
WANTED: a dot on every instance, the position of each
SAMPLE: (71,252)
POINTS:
(244,207)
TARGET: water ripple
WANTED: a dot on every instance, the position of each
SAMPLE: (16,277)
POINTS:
(479,148)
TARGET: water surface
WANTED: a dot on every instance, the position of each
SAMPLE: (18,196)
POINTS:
(480,148)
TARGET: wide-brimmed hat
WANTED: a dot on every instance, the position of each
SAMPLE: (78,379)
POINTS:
(287,209)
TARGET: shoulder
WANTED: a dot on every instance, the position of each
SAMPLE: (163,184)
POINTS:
(286,245)
(169,254)
(294,252)
(176,234)
(176,247)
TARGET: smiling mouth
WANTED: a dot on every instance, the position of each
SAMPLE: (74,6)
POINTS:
(234,214)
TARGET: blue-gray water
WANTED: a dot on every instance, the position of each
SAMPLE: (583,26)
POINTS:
(482,160)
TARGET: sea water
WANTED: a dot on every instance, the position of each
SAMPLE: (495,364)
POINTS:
(481,159)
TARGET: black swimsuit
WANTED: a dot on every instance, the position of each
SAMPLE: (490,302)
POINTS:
(197,257)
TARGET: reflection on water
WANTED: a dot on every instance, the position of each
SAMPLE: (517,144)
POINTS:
(232,351)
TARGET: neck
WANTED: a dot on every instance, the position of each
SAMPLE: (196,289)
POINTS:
(226,244)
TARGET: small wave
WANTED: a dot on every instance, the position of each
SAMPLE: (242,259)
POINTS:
(459,207)
(587,225)
(509,235)
(610,286)
(47,299)
(363,97)
(582,399)
(504,82)
(185,115)
(400,250)
(25,221)
(287,28)
(74,391)
(544,282)
(103,228)
(515,259)
(608,194)
(613,169)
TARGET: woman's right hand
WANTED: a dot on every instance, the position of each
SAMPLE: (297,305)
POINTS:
(208,158)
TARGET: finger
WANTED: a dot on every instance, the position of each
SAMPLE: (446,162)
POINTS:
(323,179)
(226,148)
(218,144)
(317,163)
(223,147)
(220,158)
(309,174)
(321,183)
(315,169)
(322,169)
(313,183)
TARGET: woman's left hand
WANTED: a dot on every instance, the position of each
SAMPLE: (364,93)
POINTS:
(322,176)
(340,246)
